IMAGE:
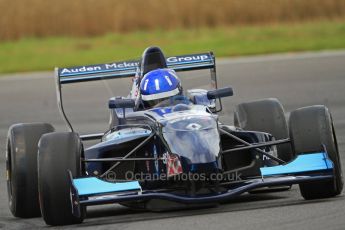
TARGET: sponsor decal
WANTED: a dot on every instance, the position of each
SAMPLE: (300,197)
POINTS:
(165,158)
(120,65)
(193,126)
(155,155)
(80,69)
(174,166)
(131,65)
(191,58)
(147,163)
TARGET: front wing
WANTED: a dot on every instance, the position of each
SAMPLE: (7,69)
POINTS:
(304,168)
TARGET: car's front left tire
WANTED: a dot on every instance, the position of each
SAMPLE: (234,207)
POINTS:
(58,153)
(265,115)
(312,130)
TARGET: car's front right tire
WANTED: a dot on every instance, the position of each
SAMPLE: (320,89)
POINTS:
(21,167)
(58,153)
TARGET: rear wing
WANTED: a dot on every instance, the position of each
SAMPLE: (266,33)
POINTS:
(126,69)
(130,68)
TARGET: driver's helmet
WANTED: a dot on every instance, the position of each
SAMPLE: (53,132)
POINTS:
(158,85)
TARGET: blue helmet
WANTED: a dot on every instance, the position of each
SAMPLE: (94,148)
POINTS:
(159,84)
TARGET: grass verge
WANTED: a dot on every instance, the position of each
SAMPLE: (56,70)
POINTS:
(32,54)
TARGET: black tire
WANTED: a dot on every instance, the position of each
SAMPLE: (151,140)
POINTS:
(310,128)
(266,115)
(21,167)
(58,153)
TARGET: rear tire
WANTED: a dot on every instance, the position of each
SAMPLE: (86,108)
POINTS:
(266,115)
(21,167)
(58,153)
(310,128)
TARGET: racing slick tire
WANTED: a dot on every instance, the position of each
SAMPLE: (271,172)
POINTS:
(265,115)
(57,153)
(312,130)
(21,167)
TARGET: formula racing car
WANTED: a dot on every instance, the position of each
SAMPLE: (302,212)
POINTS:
(175,153)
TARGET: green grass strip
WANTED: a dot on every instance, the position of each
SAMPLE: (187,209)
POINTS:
(34,54)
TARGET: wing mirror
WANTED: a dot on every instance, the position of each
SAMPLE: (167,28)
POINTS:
(219,93)
(123,103)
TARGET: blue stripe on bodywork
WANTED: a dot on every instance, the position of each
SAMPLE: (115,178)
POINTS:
(303,163)
(94,186)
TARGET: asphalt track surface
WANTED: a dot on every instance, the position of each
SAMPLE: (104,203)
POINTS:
(295,79)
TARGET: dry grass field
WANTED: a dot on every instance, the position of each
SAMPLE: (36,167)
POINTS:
(41,34)
(41,18)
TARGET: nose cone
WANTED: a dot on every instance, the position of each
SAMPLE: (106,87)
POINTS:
(195,138)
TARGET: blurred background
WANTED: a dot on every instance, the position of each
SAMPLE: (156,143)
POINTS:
(41,34)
